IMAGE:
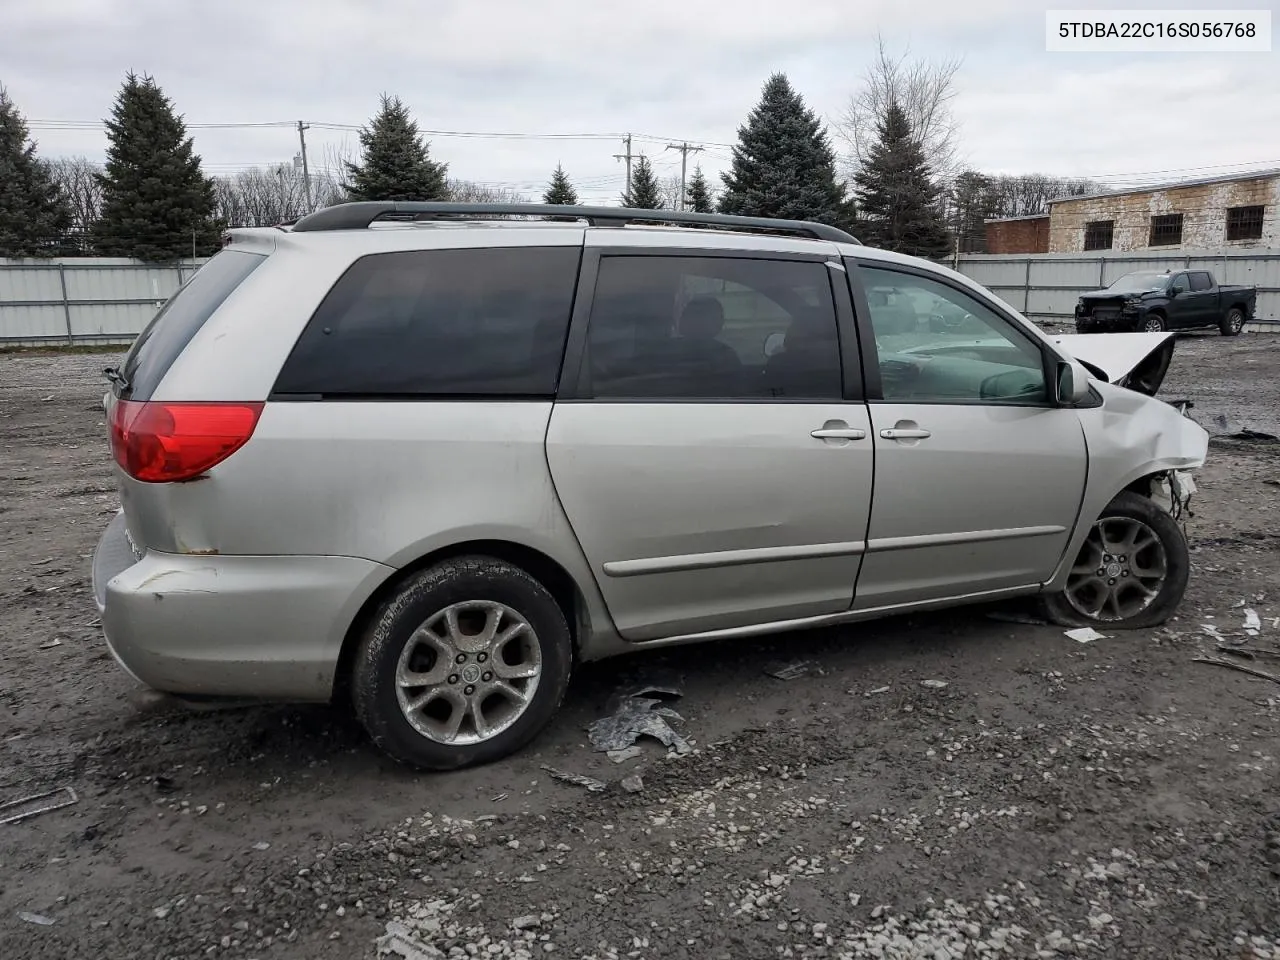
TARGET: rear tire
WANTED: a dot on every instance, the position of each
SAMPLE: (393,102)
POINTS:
(1232,323)
(1131,572)
(464,664)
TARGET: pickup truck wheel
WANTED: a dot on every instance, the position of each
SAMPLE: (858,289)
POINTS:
(1131,571)
(1232,323)
(1153,323)
(464,664)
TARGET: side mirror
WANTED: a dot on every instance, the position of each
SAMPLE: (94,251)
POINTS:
(773,344)
(1072,382)
(1173,292)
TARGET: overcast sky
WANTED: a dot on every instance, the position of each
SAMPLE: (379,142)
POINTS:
(663,69)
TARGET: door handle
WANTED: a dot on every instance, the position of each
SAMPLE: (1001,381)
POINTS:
(903,433)
(838,433)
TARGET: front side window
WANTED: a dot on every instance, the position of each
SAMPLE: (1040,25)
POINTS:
(938,344)
(437,323)
(1180,283)
(681,328)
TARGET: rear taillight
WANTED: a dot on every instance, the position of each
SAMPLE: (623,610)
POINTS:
(159,442)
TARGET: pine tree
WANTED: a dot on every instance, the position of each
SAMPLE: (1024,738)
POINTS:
(783,164)
(645,192)
(395,164)
(898,202)
(156,202)
(34,213)
(560,189)
(698,193)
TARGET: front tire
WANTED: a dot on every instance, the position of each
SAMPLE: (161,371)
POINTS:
(1232,323)
(1153,323)
(464,664)
(1131,572)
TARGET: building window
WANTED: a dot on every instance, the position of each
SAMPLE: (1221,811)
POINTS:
(1098,234)
(1166,230)
(1244,223)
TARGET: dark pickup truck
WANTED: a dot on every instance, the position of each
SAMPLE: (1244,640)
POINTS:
(1179,300)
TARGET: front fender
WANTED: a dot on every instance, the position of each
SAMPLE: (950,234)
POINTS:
(1128,437)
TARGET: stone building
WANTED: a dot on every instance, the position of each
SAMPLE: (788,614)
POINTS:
(1241,211)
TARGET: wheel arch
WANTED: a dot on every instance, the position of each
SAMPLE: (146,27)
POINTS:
(543,568)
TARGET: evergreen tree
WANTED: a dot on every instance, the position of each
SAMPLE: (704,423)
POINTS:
(156,202)
(897,199)
(973,200)
(34,213)
(783,164)
(395,164)
(698,193)
(560,189)
(645,193)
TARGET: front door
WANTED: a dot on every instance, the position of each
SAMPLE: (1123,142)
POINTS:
(1182,307)
(979,478)
(712,464)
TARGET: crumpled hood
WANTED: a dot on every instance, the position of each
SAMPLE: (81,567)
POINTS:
(1138,361)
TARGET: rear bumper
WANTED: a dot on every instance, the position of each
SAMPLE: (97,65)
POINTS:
(228,626)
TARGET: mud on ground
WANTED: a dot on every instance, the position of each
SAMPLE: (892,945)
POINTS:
(1111,799)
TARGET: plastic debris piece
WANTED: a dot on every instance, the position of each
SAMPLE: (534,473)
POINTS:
(934,684)
(36,918)
(622,756)
(398,941)
(262,845)
(792,671)
(23,808)
(872,693)
(1086,635)
(577,779)
(55,642)
(1003,617)
(634,718)
(633,783)
(1252,622)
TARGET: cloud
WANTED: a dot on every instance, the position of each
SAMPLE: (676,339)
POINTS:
(682,69)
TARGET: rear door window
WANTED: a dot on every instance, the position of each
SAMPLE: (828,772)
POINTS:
(1201,281)
(430,323)
(181,318)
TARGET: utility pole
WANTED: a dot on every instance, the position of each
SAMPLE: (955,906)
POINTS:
(685,150)
(306,172)
(626,141)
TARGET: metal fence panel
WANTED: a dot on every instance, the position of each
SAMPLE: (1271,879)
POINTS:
(1045,286)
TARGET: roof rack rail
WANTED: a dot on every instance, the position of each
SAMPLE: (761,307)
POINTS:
(359,215)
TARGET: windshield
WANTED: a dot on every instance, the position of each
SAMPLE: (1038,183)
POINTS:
(1139,282)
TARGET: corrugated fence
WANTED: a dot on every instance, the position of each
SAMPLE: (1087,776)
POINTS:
(102,300)
(84,299)
(1044,287)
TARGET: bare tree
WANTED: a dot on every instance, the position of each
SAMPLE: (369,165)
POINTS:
(467,191)
(1028,194)
(669,189)
(77,178)
(261,196)
(924,90)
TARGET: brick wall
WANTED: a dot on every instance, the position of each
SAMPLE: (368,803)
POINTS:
(1203,209)
(1024,235)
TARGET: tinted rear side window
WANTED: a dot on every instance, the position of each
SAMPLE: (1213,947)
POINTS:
(170,330)
(1201,281)
(488,322)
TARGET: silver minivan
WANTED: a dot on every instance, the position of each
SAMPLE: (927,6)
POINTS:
(430,456)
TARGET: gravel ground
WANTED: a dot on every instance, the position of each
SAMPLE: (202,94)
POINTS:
(1110,799)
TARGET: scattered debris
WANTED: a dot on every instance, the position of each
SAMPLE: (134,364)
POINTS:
(633,783)
(791,671)
(400,942)
(41,563)
(577,779)
(1232,665)
(499,798)
(1252,622)
(637,717)
(36,918)
(262,845)
(48,399)
(55,642)
(13,812)
(1086,635)
(622,756)
(1003,617)
(1256,436)
(1211,630)
(934,684)
(872,693)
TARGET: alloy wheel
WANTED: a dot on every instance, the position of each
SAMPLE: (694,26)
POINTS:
(1119,571)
